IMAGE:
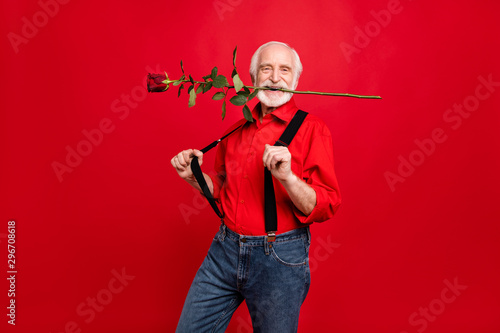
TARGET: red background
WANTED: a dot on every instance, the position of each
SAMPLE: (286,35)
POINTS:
(390,249)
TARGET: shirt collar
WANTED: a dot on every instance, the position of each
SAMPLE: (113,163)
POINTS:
(284,112)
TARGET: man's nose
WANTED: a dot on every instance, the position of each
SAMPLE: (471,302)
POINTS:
(275,77)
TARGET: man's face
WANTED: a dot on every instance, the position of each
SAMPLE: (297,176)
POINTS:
(275,71)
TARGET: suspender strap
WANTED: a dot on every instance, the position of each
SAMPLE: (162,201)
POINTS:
(292,129)
(271,215)
(215,143)
(198,174)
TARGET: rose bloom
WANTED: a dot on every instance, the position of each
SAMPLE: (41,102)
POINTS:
(155,83)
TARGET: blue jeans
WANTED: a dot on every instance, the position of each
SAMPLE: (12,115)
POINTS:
(272,277)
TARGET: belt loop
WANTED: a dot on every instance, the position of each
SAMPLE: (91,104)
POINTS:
(223,231)
(269,240)
(308,235)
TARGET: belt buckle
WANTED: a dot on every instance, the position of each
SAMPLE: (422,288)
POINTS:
(271,236)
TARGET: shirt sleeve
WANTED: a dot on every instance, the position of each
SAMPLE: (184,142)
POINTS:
(318,172)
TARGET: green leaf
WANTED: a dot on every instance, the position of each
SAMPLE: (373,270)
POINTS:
(182,67)
(243,93)
(234,56)
(207,87)
(213,75)
(206,77)
(180,88)
(220,81)
(234,72)
(253,94)
(200,88)
(218,96)
(223,109)
(191,79)
(176,83)
(246,90)
(238,84)
(247,113)
(238,100)
(190,88)
(192,98)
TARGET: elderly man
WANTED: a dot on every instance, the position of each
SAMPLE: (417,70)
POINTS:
(246,261)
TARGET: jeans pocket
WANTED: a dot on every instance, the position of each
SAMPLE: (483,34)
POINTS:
(290,252)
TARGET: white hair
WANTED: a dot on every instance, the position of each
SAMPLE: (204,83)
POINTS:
(297,65)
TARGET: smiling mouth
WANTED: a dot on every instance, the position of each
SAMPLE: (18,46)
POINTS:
(273,88)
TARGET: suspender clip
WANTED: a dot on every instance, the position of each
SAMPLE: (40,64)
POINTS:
(271,236)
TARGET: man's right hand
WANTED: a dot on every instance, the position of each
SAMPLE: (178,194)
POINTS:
(182,163)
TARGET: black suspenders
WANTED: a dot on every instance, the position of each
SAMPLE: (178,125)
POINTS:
(269,199)
(271,216)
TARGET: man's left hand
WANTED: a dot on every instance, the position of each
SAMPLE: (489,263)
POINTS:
(277,159)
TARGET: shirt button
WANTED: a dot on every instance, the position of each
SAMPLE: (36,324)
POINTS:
(242,201)
(245,176)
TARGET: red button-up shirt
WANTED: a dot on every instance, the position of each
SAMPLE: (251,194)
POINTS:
(239,183)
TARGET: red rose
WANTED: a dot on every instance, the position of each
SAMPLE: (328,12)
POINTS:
(155,82)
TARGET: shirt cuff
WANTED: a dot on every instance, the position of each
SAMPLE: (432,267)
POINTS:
(327,203)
